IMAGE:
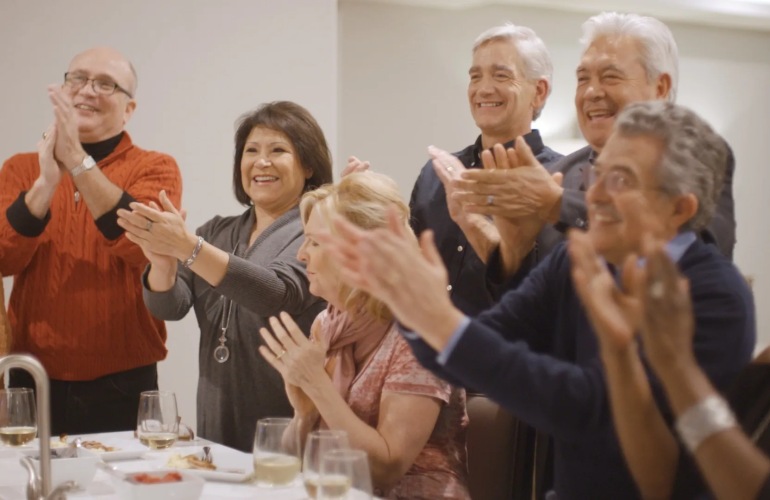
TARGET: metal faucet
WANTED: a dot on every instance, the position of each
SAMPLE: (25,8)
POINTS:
(37,488)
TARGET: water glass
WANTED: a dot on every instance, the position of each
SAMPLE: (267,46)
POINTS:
(157,424)
(18,416)
(276,452)
(345,476)
(318,444)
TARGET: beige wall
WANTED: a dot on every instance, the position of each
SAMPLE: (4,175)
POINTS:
(403,74)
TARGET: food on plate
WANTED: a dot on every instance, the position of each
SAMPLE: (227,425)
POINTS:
(59,443)
(89,445)
(193,461)
(165,477)
(97,446)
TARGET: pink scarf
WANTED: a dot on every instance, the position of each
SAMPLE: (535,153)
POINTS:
(352,339)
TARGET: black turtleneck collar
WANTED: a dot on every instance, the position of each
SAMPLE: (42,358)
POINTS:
(102,149)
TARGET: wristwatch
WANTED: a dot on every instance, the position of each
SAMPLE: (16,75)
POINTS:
(87,164)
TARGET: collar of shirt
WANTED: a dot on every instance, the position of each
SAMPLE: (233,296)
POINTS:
(533,139)
(674,248)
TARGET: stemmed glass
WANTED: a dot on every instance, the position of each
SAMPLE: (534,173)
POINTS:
(18,416)
(345,475)
(157,424)
(318,444)
(276,452)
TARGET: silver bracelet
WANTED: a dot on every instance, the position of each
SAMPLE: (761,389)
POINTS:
(195,253)
(704,419)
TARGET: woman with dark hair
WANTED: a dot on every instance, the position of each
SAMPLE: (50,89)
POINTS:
(238,271)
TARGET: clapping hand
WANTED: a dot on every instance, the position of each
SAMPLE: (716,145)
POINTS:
(50,170)
(299,360)
(355,165)
(67,149)
(159,231)
(613,312)
(387,263)
(667,323)
(515,186)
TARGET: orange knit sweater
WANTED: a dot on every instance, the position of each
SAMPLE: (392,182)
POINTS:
(76,301)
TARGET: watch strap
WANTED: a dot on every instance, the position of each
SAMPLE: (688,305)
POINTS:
(87,164)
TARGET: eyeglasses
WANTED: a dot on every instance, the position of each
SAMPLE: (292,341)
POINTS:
(101,87)
(615,180)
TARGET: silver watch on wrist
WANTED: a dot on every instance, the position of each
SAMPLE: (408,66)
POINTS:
(87,164)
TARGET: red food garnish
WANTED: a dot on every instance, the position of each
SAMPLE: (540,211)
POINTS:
(168,477)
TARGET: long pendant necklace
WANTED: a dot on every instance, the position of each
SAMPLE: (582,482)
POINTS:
(222,352)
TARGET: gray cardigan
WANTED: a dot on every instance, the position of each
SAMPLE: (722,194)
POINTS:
(261,281)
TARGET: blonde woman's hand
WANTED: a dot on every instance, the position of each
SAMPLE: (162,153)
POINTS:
(299,360)
(302,404)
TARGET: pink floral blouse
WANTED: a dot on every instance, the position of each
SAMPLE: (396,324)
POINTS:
(440,470)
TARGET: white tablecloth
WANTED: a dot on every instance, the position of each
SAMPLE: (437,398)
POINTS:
(13,477)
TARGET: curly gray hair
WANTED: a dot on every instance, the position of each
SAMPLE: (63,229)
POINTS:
(694,156)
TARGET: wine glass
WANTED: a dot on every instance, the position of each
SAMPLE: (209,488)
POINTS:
(18,416)
(157,424)
(345,475)
(276,452)
(318,444)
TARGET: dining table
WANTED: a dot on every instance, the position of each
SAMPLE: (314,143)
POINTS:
(233,479)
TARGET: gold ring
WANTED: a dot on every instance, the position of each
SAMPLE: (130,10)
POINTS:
(281,354)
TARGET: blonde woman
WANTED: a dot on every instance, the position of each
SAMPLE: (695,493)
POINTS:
(356,373)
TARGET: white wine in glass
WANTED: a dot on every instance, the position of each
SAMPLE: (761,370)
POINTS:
(318,444)
(276,452)
(18,416)
(157,425)
(159,441)
(345,475)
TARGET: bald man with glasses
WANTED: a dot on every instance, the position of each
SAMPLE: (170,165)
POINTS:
(76,303)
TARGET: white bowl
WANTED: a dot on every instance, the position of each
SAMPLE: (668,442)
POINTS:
(190,487)
(80,468)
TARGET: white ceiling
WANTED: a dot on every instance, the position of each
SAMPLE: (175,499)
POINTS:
(747,14)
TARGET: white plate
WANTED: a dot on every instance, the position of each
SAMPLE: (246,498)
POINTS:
(232,466)
(125,448)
